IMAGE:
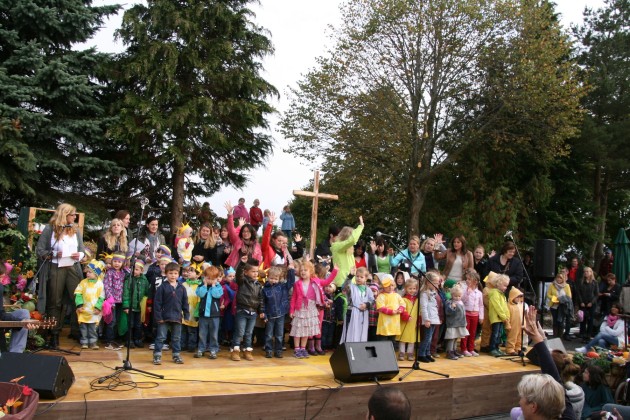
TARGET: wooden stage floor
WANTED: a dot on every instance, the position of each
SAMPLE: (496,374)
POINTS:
(286,388)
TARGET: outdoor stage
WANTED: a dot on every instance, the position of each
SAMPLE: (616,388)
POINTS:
(276,388)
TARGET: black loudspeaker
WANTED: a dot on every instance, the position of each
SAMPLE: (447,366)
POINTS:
(50,376)
(545,258)
(356,362)
(552,344)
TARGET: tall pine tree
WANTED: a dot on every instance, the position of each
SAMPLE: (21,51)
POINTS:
(51,115)
(194,103)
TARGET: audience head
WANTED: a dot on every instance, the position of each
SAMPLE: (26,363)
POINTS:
(541,396)
(388,403)
(564,362)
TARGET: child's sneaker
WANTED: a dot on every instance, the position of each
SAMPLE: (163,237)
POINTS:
(474,354)
(410,357)
(178,360)
(279,354)
(212,356)
(165,347)
(467,353)
(297,353)
(198,355)
(401,356)
(112,346)
(268,354)
(84,346)
(152,346)
(157,360)
(139,344)
(94,346)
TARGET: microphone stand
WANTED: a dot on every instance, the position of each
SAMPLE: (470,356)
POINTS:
(48,260)
(127,361)
(521,352)
(416,363)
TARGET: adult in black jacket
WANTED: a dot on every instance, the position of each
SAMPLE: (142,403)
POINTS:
(506,263)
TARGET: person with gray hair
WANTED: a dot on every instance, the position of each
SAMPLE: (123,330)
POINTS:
(388,403)
(541,397)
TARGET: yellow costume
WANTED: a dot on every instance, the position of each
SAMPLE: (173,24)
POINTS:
(388,322)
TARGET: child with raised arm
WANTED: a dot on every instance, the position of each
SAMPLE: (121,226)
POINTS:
(360,299)
(209,311)
(342,250)
(409,321)
(132,299)
(473,302)
(249,306)
(276,306)
(455,321)
(169,305)
(389,305)
(88,297)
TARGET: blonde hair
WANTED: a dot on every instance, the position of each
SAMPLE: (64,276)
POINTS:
(410,283)
(416,239)
(211,241)
(362,270)
(111,239)
(276,271)
(432,276)
(498,279)
(58,220)
(309,266)
(457,290)
(345,233)
(545,392)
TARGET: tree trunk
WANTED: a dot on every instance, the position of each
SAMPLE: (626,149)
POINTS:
(600,196)
(417,195)
(178,196)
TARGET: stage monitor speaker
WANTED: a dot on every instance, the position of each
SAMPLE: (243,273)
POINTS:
(356,362)
(50,376)
(552,344)
(545,258)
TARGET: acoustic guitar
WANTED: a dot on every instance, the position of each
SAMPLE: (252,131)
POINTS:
(45,323)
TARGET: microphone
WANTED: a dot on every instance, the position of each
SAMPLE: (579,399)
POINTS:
(144,202)
(508,234)
(384,235)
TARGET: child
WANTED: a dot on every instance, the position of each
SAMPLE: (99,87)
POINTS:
(455,321)
(430,316)
(170,303)
(514,343)
(330,318)
(409,324)
(113,283)
(132,299)
(307,296)
(266,215)
(498,313)
(389,305)
(88,297)
(155,281)
(248,303)
(184,243)
(596,391)
(230,288)
(275,307)
(486,327)
(340,307)
(473,302)
(360,300)
(209,312)
(190,330)
(400,281)
(372,314)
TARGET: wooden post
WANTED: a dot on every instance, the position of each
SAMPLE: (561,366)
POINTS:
(316,196)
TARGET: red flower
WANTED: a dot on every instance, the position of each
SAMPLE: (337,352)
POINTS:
(26,390)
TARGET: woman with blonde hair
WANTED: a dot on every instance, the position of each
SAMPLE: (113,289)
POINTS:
(59,249)
(114,240)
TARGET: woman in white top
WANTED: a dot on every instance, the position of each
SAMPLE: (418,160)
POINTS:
(59,248)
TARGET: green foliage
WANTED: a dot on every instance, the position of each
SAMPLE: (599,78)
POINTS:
(51,116)
(193,102)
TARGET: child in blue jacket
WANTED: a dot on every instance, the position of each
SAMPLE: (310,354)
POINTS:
(209,312)
(276,306)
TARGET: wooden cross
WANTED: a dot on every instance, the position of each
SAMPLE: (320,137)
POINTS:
(316,196)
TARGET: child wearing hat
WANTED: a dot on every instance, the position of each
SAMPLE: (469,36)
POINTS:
(113,282)
(132,299)
(390,305)
(88,297)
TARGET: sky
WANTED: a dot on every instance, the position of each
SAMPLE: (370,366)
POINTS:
(300,32)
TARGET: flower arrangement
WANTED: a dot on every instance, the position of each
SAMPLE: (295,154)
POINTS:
(16,278)
(18,398)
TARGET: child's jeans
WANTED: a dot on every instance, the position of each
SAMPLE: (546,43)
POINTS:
(136,325)
(88,333)
(162,331)
(243,328)
(328,334)
(274,329)
(495,335)
(209,334)
(425,344)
